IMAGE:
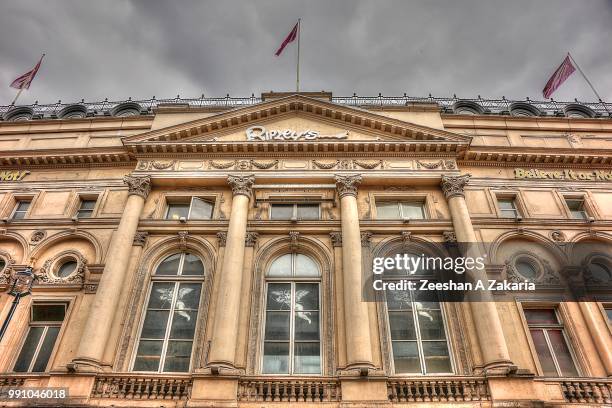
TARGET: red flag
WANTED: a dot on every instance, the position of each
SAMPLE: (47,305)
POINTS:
(561,74)
(24,81)
(290,38)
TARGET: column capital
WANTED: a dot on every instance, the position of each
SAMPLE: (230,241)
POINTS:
(336,238)
(251,238)
(453,186)
(347,185)
(241,185)
(140,239)
(222,238)
(140,186)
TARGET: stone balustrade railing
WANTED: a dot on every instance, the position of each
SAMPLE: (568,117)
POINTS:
(438,390)
(584,391)
(146,387)
(319,389)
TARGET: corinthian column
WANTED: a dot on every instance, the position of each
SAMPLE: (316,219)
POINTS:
(356,322)
(102,312)
(488,325)
(226,321)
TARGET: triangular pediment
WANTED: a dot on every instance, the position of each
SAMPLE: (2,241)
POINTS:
(295,118)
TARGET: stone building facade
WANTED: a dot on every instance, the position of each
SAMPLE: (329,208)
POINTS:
(213,252)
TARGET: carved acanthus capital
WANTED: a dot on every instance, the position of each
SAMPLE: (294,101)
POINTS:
(140,238)
(241,185)
(140,186)
(366,239)
(347,185)
(336,239)
(251,239)
(453,186)
(222,238)
(449,237)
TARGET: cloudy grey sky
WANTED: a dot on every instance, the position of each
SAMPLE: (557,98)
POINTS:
(140,48)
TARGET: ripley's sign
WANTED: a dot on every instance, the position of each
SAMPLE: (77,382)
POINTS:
(13,175)
(259,133)
(595,175)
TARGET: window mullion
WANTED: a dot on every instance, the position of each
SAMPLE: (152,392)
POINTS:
(291,328)
(552,352)
(37,350)
(190,207)
(415,315)
(162,362)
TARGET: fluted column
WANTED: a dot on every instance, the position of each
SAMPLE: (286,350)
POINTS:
(486,319)
(358,341)
(225,329)
(104,307)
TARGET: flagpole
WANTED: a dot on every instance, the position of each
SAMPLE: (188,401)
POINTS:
(588,82)
(297,78)
(17,96)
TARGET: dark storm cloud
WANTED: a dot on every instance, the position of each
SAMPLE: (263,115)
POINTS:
(118,49)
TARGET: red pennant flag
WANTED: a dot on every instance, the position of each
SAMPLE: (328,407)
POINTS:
(561,74)
(290,38)
(24,81)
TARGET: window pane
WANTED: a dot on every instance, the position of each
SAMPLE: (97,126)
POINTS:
(609,313)
(406,357)
(307,296)
(413,210)
(306,325)
(281,266)
(431,324)
(178,356)
(541,316)
(148,355)
(387,210)
(308,211)
(2,264)
(526,269)
(45,350)
(183,324)
(598,269)
(161,295)
(88,204)
(436,355)
(398,300)
(307,358)
(188,296)
(277,325)
(169,266)
(66,269)
(401,325)
(305,266)
(201,210)
(576,208)
(281,211)
(154,326)
(279,296)
(48,313)
(28,349)
(192,265)
(23,206)
(176,211)
(546,361)
(562,353)
(276,358)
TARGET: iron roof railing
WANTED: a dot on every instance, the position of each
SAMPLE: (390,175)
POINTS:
(447,105)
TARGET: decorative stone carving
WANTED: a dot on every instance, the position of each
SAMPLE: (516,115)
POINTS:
(222,238)
(241,185)
(140,186)
(366,239)
(37,236)
(183,239)
(545,273)
(46,275)
(406,237)
(263,165)
(450,165)
(222,166)
(368,165)
(7,272)
(453,186)
(162,165)
(336,239)
(429,165)
(325,166)
(449,237)
(347,185)
(294,236)
(251,239)
(90,287)
(557,236)
(140,239)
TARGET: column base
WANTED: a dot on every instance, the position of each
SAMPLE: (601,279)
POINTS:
(360,369)
(500,368)
(221,368)
(84,365)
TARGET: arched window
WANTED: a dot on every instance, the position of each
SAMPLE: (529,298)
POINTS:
(292,334)
(417,328)
(169,324)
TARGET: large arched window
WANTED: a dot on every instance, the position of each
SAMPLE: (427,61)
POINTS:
(292,334)
(417,329)
(169,324)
